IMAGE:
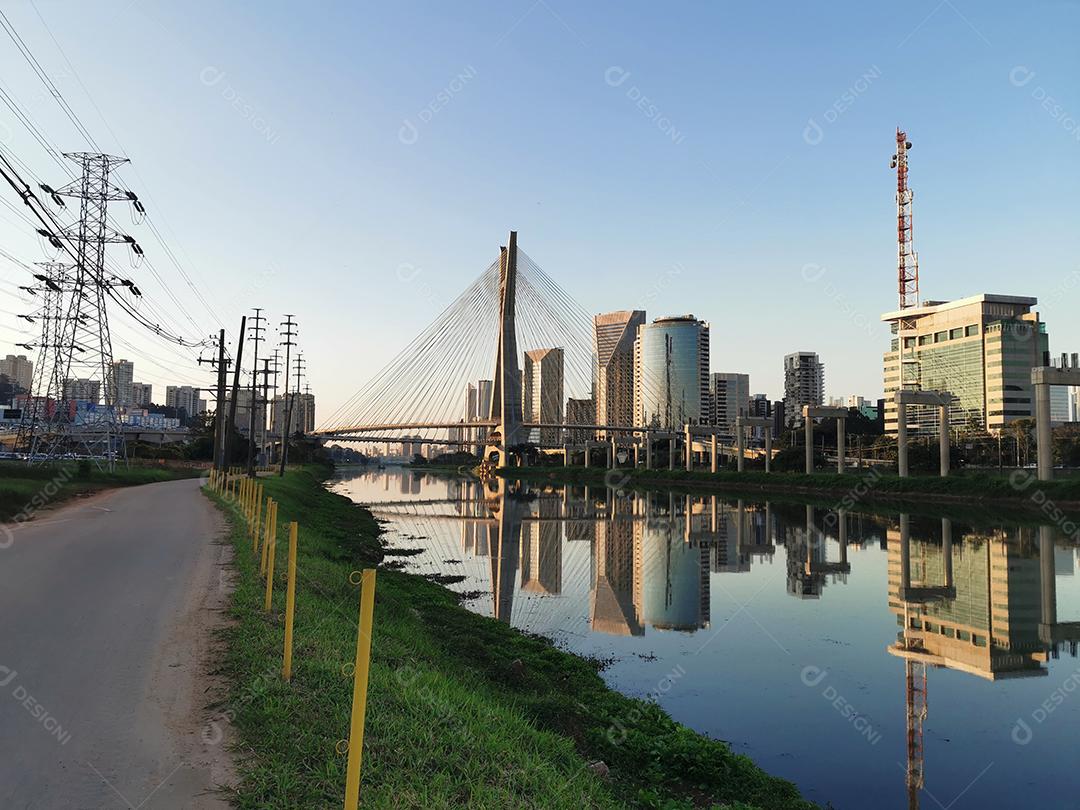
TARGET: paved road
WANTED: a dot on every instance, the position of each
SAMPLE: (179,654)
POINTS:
(106,612)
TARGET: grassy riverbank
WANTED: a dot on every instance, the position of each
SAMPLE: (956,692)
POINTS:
(26,489)
(462,711)
(861,487)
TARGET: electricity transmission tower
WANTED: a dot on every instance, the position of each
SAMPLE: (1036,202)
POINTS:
(85,351)
(46,386)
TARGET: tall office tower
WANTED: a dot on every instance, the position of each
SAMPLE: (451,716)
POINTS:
(980,349)
(580,412)
(122,378)
(615,599)
(804,384)
(142,394)
(614,334)
(82,390)
(729,397)
(671,373)
(184,397)
(483,411)
(542,393)
(541,549)
(19,370)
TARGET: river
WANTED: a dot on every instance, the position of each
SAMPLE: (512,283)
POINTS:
(788,630)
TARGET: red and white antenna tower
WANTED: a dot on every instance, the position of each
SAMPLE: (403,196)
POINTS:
(907,260)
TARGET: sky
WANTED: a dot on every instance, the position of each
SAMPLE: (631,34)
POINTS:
(358,164)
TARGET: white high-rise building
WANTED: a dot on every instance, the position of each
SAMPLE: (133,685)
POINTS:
(123,377)
(142,394)
(804,384)
(82,390)
(185,397)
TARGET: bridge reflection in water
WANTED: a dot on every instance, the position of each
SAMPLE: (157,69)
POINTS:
(569,561)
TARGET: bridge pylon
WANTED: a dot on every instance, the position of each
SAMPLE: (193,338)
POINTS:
(506,390)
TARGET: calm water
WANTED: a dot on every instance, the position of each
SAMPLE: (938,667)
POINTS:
(787,630)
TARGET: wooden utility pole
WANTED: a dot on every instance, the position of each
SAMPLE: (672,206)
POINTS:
(235,390)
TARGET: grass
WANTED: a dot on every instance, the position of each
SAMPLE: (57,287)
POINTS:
(961,486)
(462,710)
(26,489)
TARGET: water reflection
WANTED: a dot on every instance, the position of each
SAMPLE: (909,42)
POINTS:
(604,572)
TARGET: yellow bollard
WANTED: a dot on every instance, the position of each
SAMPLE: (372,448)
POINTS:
(290,604)
(258,517)
(271,536)
(360,684)
(270,572)
(260,541)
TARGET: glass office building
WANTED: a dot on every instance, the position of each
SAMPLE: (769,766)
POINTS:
(671,373)
(980,349)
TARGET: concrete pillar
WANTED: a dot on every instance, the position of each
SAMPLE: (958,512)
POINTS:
(808,429)
(613,460)
(946,550)
(901,439)
(943,438)
(1043,433)
(712,456)
(588,453)
(768,448)
(905,554)
(841,443)
(740,447)
(671,451)
(648,452)
(689,444)
(637,454)
(1048,584)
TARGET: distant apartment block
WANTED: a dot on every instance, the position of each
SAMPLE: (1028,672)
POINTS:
(142,394)
(18,370)
(183,397)
(123,376)
(804,384)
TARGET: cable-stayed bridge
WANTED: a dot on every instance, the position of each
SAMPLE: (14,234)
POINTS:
(513,310)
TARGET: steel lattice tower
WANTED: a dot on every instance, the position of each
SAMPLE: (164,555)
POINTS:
(39,410)
(85,352)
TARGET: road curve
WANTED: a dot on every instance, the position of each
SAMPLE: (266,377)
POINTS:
(107,607)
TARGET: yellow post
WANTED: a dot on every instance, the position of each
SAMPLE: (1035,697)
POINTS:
(258,519)
(290,604)
(271,538)
(270,572)
(255,547)
(360,684)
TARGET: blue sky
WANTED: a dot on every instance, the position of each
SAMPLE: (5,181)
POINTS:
(267,140)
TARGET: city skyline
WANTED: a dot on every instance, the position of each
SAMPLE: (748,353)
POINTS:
(723,183)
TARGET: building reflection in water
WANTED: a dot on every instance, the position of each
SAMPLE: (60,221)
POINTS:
(981,601)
